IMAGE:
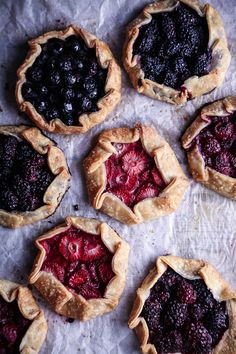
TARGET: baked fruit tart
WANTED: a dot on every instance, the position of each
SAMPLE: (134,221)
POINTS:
(34,176)
(210,142)
(23,327)
(176,50)
(81,268)
(133,175)
(69,81)
(185,306)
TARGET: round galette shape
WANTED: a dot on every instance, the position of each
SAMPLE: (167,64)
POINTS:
(23,327)
(81,268)
(184,306)
(176,50)
(69,81)
(210,142)
(33,178)
(133,175)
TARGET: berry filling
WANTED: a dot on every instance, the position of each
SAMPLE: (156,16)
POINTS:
(24,175)
(174,46)
(80,261)
(13,327)
(65,80)
(132,174)
(183,316)
(217,144)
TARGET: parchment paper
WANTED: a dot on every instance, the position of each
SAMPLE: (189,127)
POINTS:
(203,226)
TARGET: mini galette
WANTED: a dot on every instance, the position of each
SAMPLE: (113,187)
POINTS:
(81,268)
(210,142)
(69,81)
(176,50)
(133,175)
(33,178)
(185,306)
(23,327)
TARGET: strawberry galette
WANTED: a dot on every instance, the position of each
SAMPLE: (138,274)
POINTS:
(34,176)
(81,268)
(133,175)
(185,306)
(23,327)
(210,142)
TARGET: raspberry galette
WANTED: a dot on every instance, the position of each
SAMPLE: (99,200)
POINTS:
(210,142)
(185,306)
(81,268)
(23,327)
(33,177)
(69,81)
(133,175)
(176,50)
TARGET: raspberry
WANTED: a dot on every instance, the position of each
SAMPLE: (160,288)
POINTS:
(92,249)
(147,191)
(123,195)
(81,276)
(56,269)
(88,291)
(176,314)
(157,177)
(134,163)
(71,247)
(186,293)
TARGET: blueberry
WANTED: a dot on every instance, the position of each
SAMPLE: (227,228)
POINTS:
(54,78)
(93,94)
(92,68)
(41,106)
(55,46)
(68,120)
(69,78)
(67,93)
(42,90)
(78,64)
(42,58)
(53,98)
(78,77)
(28,91)
(52,63)
(78,95)
(85,104)
(65,63)
(34,74)
(73,44)
(89,84)
(102,75)
(66,107)
(52,113)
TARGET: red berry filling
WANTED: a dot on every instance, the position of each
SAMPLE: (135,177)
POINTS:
(217,144)
(80,261)
(13,327)
(132,174)
(24,175)
(183,316)
(173,46)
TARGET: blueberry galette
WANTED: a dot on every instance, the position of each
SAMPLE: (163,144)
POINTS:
(185,306)
(81,268)
(133,175)
(33,176)
(210,142)
(69,81)
(23,327)
(176,50)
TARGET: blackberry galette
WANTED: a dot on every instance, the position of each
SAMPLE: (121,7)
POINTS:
(23,327)
(81,268)
(210,142)
(185,306)
(176,50)
(133,175)
(69,81)
(33,178)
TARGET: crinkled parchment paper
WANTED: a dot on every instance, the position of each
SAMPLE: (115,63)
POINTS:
(203,226)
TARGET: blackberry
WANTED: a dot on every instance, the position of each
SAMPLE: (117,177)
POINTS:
(176,314)
(9,200)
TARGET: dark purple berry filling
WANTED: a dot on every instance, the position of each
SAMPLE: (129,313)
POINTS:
(24,175)
(13,327)
(174,46)
(217,144)
(183,316)
(65,80)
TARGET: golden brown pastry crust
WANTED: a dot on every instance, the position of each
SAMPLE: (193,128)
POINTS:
(106,104)
(166,162)
(190,269)
(36,333)
(212,179)
(193,86)
(57,165)
(73,305)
